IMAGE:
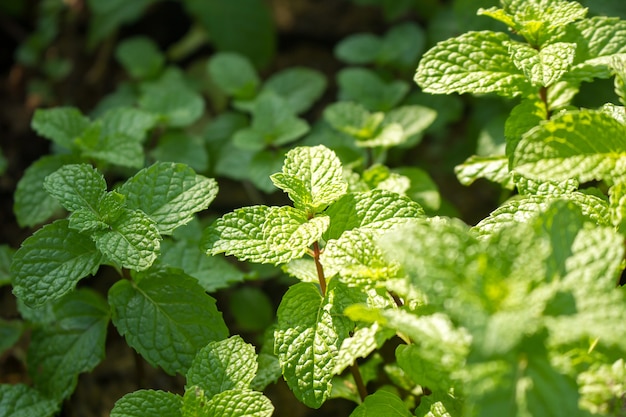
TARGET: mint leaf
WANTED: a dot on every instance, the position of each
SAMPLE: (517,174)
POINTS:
(76,186)
(598,38)
(289,232)
(145,403)
(353,119)
(33,205)
(533,20)
(299,87)
(306,343)
(6,257)
(382,403)
(131,241)
(178,146)
(439,405)
(366,87)
(239,403)
(116,148)
(617,206)
(527,208)
(10,332)
(169,193)
(128,121)
(585,145)
(212,272)
(51,261)
(360,344)
(62,125)
(493,168)
(239,233)
(234,74)
(140,56)
(475,62)
(359,48)
(312,177)
(224,365)
(355,257)
(73,344)
(373,210)
(22,400)
(273,124)
(545,67)
(167,319)
(172,99)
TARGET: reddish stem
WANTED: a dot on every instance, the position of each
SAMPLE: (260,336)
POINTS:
(318,266)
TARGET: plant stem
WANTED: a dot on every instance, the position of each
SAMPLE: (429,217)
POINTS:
(358,379)
(318,266)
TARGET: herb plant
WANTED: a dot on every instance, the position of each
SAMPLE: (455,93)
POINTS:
(389,303)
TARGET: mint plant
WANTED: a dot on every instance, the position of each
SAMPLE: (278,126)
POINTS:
(387,303)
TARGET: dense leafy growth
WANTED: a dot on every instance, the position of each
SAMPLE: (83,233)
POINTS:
(390,300)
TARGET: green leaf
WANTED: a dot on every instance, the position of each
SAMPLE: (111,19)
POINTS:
(116,148)
(169,193)
(366,87)
(172,99)
(241,26)
(239,233)
(413,119)
(534,21)
(19,400)
(146,403)
(178,146)
(107,17)
(224,365)
(439,405)
(6,257)
(289,232)
(10,332)
(353,119)
(360,344)
(76,186)
(527,208)
(359,48)
(62,125)
(306,343)
(475,62)
(239,403)
(381,403)
(585,145)
(526,115)
(617,206)
(51,261)
(167,319)
(545,67)
(129,121)
(234,74)
(273,124)
(530,386)
(251,308)
(402,46)
(312,177)
(299,87)
(132,240)
(374,210)
(355,257)
(212,272)
(140,56)
(493,168)
(72,345)
(33,205)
